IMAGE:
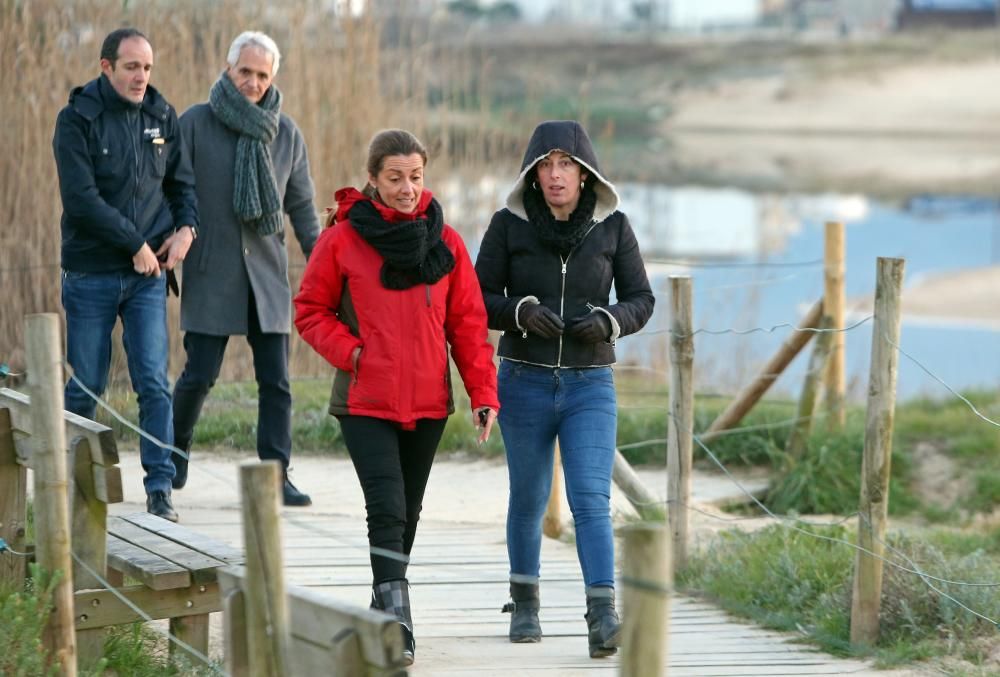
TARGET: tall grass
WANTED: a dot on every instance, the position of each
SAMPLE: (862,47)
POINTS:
(343,78)
(797,582)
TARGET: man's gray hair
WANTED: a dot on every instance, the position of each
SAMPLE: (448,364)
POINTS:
(255,39)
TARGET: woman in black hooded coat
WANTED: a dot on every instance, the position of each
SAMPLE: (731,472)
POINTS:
(546,266)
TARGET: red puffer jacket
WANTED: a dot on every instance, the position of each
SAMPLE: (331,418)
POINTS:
(403,373)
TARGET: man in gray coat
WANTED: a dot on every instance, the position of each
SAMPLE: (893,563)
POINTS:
(251,168)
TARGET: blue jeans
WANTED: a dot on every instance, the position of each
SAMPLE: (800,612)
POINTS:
(93,302)
(579,407)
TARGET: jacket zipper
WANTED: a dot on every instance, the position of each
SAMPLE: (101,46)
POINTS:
(562,292)
(562,304)
(135,154)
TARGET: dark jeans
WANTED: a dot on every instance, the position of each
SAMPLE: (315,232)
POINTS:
(270,368)
(393,466)
(93,303)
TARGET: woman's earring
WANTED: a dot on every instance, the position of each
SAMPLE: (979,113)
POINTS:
(534,185)
(582,184)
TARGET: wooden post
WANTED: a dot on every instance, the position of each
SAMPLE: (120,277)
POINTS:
(552,522)
(834,302)
(268,632)
(772,370)
(810,391)
(680,423)
(13,506)
(877,460)
(647,584)
(90,542)
(648,505)
(44,353)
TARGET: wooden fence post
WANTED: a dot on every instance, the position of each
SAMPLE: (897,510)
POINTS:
(834,302)
(44,359)
(680,423)
(552,522)
(749,396)
(268,633)
(13,506)
(810,390)
(649,506)
(647,583)
(877,460)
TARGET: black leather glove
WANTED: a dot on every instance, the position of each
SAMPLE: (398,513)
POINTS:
(538,319)
(590,328)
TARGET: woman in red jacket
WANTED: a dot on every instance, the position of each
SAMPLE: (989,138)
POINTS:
(388,288)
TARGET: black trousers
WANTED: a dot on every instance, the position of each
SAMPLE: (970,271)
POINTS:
(393,466)
(270,368)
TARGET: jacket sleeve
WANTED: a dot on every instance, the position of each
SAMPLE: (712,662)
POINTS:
(317,302)
(81,200)
(465,329)
(635,297)
(178,182)
(491,268)
(299,196)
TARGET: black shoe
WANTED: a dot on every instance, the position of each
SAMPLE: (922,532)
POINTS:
(180,469)
(158,503)
(603,627)
(524,626)
(292,496)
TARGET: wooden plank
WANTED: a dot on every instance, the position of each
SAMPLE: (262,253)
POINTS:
(108,483)
(101,608)
(13,505)
(89,540)
(234,627)
(201,566)
(194,540)
(151,570)
(319,619)
(103,448)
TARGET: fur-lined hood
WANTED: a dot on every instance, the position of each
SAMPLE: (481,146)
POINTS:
(571,138)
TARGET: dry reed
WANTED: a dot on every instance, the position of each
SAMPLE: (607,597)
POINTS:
(342,77)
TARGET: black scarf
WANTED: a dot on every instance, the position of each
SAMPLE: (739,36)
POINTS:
(560,236)
(413,251)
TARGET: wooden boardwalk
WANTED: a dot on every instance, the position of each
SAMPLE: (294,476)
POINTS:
(458,576)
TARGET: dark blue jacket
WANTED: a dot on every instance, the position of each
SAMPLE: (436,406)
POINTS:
(124,175)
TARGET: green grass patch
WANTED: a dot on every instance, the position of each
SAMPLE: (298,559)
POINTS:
(800,581)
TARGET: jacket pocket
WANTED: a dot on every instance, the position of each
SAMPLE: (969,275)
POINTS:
(158,153)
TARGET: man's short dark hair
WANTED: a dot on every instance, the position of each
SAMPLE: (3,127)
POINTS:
(109,50)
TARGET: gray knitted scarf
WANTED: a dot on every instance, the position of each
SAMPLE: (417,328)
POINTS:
(255,193)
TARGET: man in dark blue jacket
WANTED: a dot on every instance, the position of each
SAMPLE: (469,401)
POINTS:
(129,216)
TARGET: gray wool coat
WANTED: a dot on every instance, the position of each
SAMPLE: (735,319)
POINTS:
(228,258)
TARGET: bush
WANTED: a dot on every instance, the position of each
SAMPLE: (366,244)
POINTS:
(23,615)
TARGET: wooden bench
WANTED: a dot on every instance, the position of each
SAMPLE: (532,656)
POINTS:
(175,568)
(328,637)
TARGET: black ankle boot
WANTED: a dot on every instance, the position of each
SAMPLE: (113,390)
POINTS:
(604,628)
(158,503)
(290,494)
(393,597)
(180,467)
(524,626)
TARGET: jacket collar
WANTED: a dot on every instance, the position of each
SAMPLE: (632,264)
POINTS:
(348,197)
(98,95)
